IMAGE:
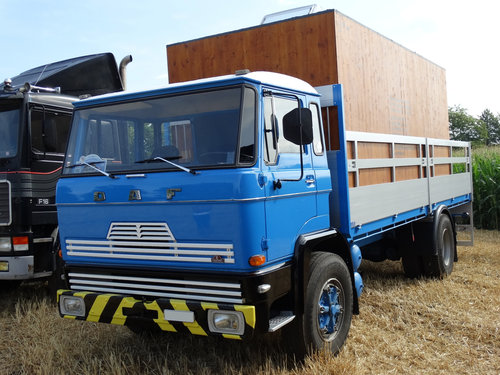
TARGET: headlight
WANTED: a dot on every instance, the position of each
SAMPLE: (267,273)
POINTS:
(231,322)
(5,244)
(71,305)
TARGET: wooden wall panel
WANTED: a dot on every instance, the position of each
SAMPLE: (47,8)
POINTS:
(374,176)
(302,47)
(387,88)
(369,150)
(407,173)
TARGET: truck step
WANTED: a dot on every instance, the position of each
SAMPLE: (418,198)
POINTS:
(280,320)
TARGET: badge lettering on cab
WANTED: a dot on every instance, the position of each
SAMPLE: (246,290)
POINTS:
(171,192)
(99,196)
(134,195)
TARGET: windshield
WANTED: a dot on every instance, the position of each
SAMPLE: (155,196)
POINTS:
(9,132)
(194,131)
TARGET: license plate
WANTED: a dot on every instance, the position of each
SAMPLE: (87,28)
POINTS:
(4,266)
(178,316)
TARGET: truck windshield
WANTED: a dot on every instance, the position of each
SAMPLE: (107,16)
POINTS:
(195,131)
(9,132)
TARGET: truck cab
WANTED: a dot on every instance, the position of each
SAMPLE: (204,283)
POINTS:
(34,130)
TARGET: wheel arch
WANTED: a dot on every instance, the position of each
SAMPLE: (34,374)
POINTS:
(327,241)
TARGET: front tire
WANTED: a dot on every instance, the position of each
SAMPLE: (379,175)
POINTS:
(328,304)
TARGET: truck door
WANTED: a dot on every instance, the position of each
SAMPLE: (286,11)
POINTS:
(290,194)
(49,135)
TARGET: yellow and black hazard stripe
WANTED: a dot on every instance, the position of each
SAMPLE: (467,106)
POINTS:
(129,311)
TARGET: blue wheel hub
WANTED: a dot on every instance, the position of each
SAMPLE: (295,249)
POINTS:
(330,307)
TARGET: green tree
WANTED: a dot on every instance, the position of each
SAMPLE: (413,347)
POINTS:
(465,127)
(491,124)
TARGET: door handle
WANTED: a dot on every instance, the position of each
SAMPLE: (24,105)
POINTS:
(310,179)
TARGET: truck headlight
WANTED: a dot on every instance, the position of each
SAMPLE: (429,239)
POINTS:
(72,305)
(222,321)
(5,244)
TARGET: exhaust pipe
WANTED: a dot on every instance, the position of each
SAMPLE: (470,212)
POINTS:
(123,67)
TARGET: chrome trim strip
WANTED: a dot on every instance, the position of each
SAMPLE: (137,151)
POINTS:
(154,258)
(323,233)
(42,240)
(83,283)
(166,295)
(243,200)
(110,245)
(269,269)
(149,279)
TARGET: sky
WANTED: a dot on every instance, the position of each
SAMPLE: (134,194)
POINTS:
(458,35)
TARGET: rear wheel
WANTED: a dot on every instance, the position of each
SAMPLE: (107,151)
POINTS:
(327,306)
(441,264)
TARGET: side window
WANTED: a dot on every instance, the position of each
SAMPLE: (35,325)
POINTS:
(275,108)
(317,139)
(247,128)
(270,145)
(49,132)
(283,106)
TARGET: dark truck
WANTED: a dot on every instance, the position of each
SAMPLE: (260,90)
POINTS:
(35,116)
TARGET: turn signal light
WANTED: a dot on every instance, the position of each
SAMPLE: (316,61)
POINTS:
(20,243)
(257,260)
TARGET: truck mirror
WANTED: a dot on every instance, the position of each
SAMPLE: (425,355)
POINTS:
(292,125)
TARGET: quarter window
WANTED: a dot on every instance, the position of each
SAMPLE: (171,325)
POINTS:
(49,131)
(316,124)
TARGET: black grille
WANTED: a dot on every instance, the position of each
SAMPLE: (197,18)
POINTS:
(5,211)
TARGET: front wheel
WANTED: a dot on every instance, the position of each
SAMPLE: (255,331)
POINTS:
(328,304)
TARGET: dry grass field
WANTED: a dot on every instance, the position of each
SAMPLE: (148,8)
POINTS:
(449,326)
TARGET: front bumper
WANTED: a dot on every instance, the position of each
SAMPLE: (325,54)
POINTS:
(17,267)
(129,311)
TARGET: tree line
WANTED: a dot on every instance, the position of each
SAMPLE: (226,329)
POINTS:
(482,130)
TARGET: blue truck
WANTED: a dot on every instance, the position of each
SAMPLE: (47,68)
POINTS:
(213,207)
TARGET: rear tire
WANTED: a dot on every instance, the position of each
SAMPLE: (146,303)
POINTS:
(441,264)
(328,306)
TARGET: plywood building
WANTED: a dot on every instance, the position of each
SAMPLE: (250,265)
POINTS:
(387,88)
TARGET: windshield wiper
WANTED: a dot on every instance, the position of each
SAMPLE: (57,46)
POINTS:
(93,167)
(192,171)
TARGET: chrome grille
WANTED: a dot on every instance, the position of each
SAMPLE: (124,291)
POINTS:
(5,203)
(140,231)
(157,287)
(151,242)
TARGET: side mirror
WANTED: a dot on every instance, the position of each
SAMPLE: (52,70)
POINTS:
(292,126)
